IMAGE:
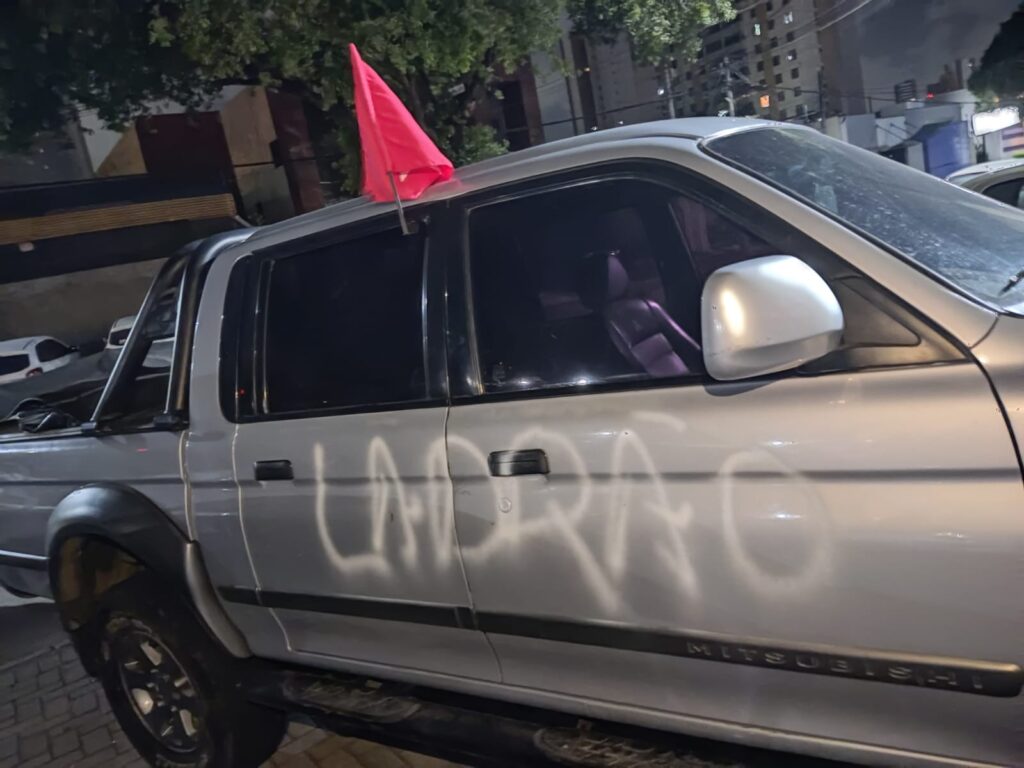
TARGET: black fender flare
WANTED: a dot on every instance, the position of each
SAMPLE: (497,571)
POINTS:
(127,519)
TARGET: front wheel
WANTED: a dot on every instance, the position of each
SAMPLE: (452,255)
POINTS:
(171,686)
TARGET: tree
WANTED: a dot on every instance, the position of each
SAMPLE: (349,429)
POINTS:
(442,57)
(1001,72)
(658,29)
(121,56)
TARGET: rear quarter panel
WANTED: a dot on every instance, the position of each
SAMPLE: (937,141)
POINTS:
(36,474)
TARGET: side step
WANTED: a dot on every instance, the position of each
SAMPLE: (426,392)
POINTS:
(488,734)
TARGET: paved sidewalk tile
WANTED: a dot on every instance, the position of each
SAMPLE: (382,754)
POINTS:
(52,714)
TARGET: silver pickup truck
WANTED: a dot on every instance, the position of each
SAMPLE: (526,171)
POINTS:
(707,427)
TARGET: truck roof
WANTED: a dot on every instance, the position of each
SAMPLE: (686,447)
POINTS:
(493,171)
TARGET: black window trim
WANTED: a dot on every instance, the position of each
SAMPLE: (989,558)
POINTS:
(251,344)
(464,369)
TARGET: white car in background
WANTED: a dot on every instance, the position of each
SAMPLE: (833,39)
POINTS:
(119,331)
(1005,185)
(31,356)
(964,175)
(160,351)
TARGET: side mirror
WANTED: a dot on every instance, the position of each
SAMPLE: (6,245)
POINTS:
(767,314)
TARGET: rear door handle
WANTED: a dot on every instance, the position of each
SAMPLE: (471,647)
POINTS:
(277,469)
(532,461)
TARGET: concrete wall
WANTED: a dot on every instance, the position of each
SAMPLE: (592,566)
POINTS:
(620,84)
(249,130)
(55,158)
(77,307)
(125,157)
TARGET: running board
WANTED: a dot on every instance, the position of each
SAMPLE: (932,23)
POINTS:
(484,733)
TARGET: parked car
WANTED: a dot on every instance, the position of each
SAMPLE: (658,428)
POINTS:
(964,175)
(31,356)
(161,349)
(696,427)
(119,331)
(1005,185)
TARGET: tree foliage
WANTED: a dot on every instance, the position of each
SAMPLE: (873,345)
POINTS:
(1001,72)
(657,28)
(120,57)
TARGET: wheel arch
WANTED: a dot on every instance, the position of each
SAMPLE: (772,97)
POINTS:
(100,535)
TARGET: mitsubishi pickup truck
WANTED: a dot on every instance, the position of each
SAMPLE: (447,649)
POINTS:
(705,428)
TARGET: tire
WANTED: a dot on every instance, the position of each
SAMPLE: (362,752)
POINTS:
(172,688)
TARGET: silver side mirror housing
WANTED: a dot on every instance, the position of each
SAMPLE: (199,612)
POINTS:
(765,315)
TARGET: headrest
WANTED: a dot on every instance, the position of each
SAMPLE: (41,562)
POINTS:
(602,278)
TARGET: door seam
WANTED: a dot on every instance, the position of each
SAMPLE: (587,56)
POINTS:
(458,550)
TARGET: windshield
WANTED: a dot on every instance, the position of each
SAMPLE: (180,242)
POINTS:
(12,364)
(973,242)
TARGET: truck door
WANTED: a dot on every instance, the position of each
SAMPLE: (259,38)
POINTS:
(340,454)
(766,553)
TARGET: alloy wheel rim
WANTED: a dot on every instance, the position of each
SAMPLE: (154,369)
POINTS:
(162,695)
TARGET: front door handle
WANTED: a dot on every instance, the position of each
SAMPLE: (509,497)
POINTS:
(277,469)
(532,461)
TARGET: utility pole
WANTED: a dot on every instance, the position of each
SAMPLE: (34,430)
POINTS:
(727,76)
(821,99)
(668,89)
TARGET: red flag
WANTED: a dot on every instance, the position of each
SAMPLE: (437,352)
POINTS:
(392,140)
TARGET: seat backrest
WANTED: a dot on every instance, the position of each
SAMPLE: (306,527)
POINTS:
(639,328)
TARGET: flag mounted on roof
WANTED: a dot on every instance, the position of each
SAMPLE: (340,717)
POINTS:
(399,159)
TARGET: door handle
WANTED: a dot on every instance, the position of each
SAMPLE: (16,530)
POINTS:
(277,469)
(532,461)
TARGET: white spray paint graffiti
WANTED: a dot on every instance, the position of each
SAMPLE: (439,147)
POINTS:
(421,520)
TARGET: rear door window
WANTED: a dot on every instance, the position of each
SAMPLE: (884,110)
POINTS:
(13,364)
(344,326)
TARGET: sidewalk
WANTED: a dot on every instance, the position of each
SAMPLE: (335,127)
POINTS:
(52,714)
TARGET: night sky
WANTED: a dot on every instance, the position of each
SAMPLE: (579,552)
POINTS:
(904,39)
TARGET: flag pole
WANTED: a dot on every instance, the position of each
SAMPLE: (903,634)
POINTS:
(398,202)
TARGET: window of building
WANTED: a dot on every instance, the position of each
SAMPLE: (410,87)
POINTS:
(49,350)
(771,24)
(778,79)
(757,28)
(794,73)
(775,60)
(790,37)
(787,17)
(798,91)
(791,55)
(769,8)
(344,326)
(782,95)
(598,283)
(760,66)
(745,70)
(689,75)
(758,48)
(774,42)
(783,114)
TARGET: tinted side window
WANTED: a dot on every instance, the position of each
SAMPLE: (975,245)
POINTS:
(13,364)
(344,326)
(594,283)
(1009,192)
(49,349)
